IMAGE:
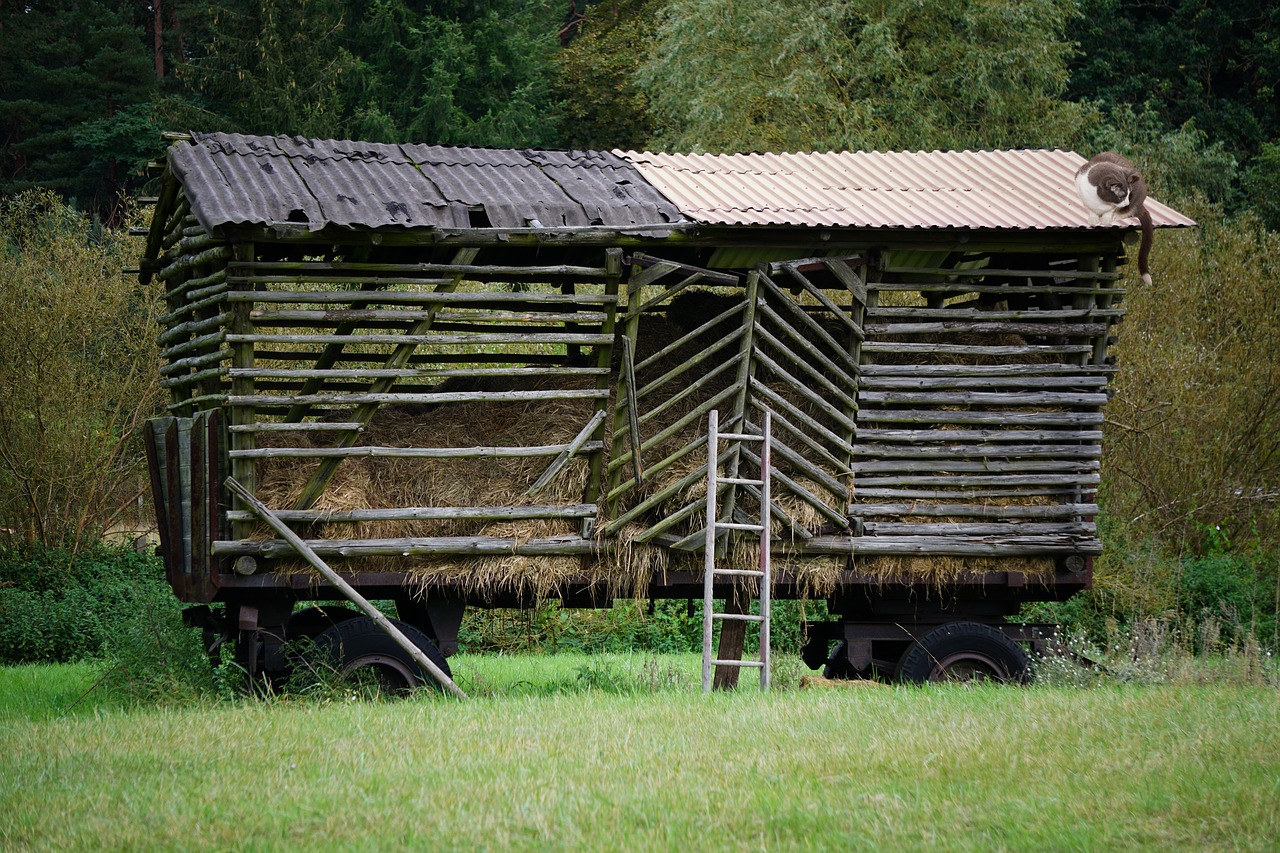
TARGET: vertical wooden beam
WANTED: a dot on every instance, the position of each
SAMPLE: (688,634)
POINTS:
(620,417)
(605,381)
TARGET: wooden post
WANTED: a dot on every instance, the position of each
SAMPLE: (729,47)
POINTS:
(345,588)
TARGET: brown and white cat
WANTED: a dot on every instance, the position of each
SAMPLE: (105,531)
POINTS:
(1111,188)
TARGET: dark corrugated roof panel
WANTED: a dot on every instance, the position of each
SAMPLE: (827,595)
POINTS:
(951,189)
(232,179)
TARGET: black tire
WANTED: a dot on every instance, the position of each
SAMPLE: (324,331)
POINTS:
(356,647)
(838,665)
(313,621)
(965,651)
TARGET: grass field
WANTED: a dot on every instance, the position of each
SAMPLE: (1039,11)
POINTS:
(618,752)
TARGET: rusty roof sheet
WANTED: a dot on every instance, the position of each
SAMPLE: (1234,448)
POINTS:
(232,179)
(940,189)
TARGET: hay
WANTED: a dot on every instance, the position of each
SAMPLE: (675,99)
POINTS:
(623,564)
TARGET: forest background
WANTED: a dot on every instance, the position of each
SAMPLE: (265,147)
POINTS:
(1187,89)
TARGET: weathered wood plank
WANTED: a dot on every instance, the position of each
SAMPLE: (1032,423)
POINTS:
(956,327)
(479,339)
(979,398)
(397,297)
(865,449)
(414,547)
(503,452)
(433,513)
(940,416)
(429,398)
(909,383)
(899,347)
(996,546)
(971,480)
(903,466)
(1027,369)
(918,435)
(954,528)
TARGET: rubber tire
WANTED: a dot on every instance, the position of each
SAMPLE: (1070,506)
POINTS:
(313,621)
(838,665)
(965,651)
(359,642)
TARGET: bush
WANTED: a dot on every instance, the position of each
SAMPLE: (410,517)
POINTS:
(78,374)
(103,603)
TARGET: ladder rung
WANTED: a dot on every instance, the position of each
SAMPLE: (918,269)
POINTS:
(733,525)
(741,573)
(741,436)
(738,617)
(753,663)
(739,481)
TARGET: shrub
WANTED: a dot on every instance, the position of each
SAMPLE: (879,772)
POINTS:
(78,374)
(111,604)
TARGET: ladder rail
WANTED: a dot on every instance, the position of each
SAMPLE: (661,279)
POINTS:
(713,529)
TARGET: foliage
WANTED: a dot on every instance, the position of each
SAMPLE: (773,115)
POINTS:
(603,106)
(822,74)
(1194,438)
(665,627)
(78,376)
(390,71)
(1260,185)
(107,604)
(1217,63)
(75,89)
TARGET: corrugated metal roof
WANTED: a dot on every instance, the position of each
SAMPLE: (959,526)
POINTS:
(232,179)
(951,189)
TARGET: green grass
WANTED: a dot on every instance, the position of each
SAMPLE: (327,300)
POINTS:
(545,757)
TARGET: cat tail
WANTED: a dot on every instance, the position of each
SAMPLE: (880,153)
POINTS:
(1144,248)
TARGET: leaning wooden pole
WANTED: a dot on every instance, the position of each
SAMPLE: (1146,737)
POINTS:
(345,588)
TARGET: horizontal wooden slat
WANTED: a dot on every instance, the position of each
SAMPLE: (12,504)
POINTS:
(422,399)
(479,339)
(408,452)
(1027,369)
(388,297)
(979,398)
(413,547)
(902,348)
(905,383)
(940,416)
(967,327)
(952,528)
(968,466)
(996,546)
(1065,510)
(434,513)
(980,435)
(975,451)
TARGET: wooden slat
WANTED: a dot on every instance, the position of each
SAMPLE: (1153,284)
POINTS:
(434,513)
(978,398)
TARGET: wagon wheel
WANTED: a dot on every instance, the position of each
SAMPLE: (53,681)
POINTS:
(965,651)
(358,648)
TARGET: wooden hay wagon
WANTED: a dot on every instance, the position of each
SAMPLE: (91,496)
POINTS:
(484,377)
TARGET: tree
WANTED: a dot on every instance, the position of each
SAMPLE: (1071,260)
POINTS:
(862,74)
(604,107)
(78,374)
(392,70)
(76,83)
(1216,63)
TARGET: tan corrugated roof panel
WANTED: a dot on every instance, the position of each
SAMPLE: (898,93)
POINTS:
(939,189)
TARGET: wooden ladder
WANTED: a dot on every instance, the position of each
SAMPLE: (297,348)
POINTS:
(714,527)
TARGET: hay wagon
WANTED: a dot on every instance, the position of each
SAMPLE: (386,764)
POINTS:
(472,377)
